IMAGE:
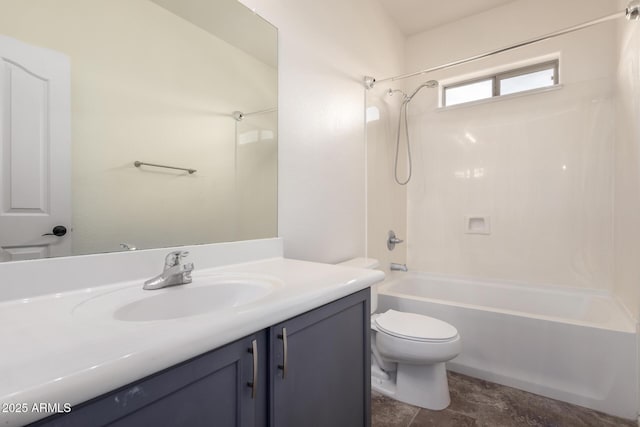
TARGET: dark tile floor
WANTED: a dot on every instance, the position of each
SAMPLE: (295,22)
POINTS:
(480,403)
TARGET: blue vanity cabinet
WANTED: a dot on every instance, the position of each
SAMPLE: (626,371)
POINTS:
(321,366)
(214,389)
(312,370)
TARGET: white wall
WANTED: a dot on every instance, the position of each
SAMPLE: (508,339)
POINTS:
(387,201)
(325,48)
(627,169)
(149,86)
(541,166)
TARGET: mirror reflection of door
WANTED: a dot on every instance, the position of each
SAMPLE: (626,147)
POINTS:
(35,159)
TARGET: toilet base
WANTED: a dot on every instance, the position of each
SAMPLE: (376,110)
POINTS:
(425,386)
(384,384)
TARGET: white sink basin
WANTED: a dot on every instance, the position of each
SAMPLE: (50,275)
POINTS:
(205,295)
(186,301)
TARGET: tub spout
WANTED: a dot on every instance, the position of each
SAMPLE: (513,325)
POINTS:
(398,267)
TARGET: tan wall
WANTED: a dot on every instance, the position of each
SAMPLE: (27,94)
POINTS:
(147,85)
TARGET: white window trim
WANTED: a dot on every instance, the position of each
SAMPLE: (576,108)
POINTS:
(496,77)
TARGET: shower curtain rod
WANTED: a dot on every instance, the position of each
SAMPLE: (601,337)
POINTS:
(239,115)
(631,13)
(268,110)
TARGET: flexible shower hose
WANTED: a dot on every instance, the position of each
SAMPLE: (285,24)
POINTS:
(403,111)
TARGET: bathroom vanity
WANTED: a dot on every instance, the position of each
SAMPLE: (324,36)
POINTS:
(314,366)
(256,339)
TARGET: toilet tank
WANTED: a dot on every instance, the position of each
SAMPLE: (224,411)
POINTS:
(369,264)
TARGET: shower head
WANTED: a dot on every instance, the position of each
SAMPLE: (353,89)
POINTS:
(429,84)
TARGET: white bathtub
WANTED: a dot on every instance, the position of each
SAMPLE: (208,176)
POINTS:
(572,345)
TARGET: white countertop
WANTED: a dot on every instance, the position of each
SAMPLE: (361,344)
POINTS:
(52,352)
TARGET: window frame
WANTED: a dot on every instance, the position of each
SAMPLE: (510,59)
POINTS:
(496,78)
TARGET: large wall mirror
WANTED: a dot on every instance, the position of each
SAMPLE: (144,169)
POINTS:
(97,96)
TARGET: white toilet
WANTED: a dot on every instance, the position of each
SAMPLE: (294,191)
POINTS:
(408,353)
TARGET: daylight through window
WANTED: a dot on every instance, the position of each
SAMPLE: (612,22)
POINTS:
(513,81)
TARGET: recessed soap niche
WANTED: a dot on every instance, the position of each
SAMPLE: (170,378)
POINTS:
(477,224)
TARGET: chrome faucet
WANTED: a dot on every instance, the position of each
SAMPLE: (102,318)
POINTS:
(398,267)
(392,240)
(174,273)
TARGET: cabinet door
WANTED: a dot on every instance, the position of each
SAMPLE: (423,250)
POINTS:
(209,390)
(322,378)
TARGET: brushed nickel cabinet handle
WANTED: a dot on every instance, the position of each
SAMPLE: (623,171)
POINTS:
(283,367)
(254,384)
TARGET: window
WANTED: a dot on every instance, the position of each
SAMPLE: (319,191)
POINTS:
(513,81)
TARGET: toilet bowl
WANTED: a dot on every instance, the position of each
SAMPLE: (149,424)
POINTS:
(409,352)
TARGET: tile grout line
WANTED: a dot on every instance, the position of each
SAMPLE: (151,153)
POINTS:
(414,417)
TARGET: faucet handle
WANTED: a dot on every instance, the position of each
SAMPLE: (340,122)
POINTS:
(175,258)
(187,269)
(392,240)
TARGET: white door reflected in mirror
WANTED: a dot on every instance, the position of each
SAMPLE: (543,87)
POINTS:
(35,182)
(155,81)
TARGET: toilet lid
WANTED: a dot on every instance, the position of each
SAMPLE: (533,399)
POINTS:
(415,326)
